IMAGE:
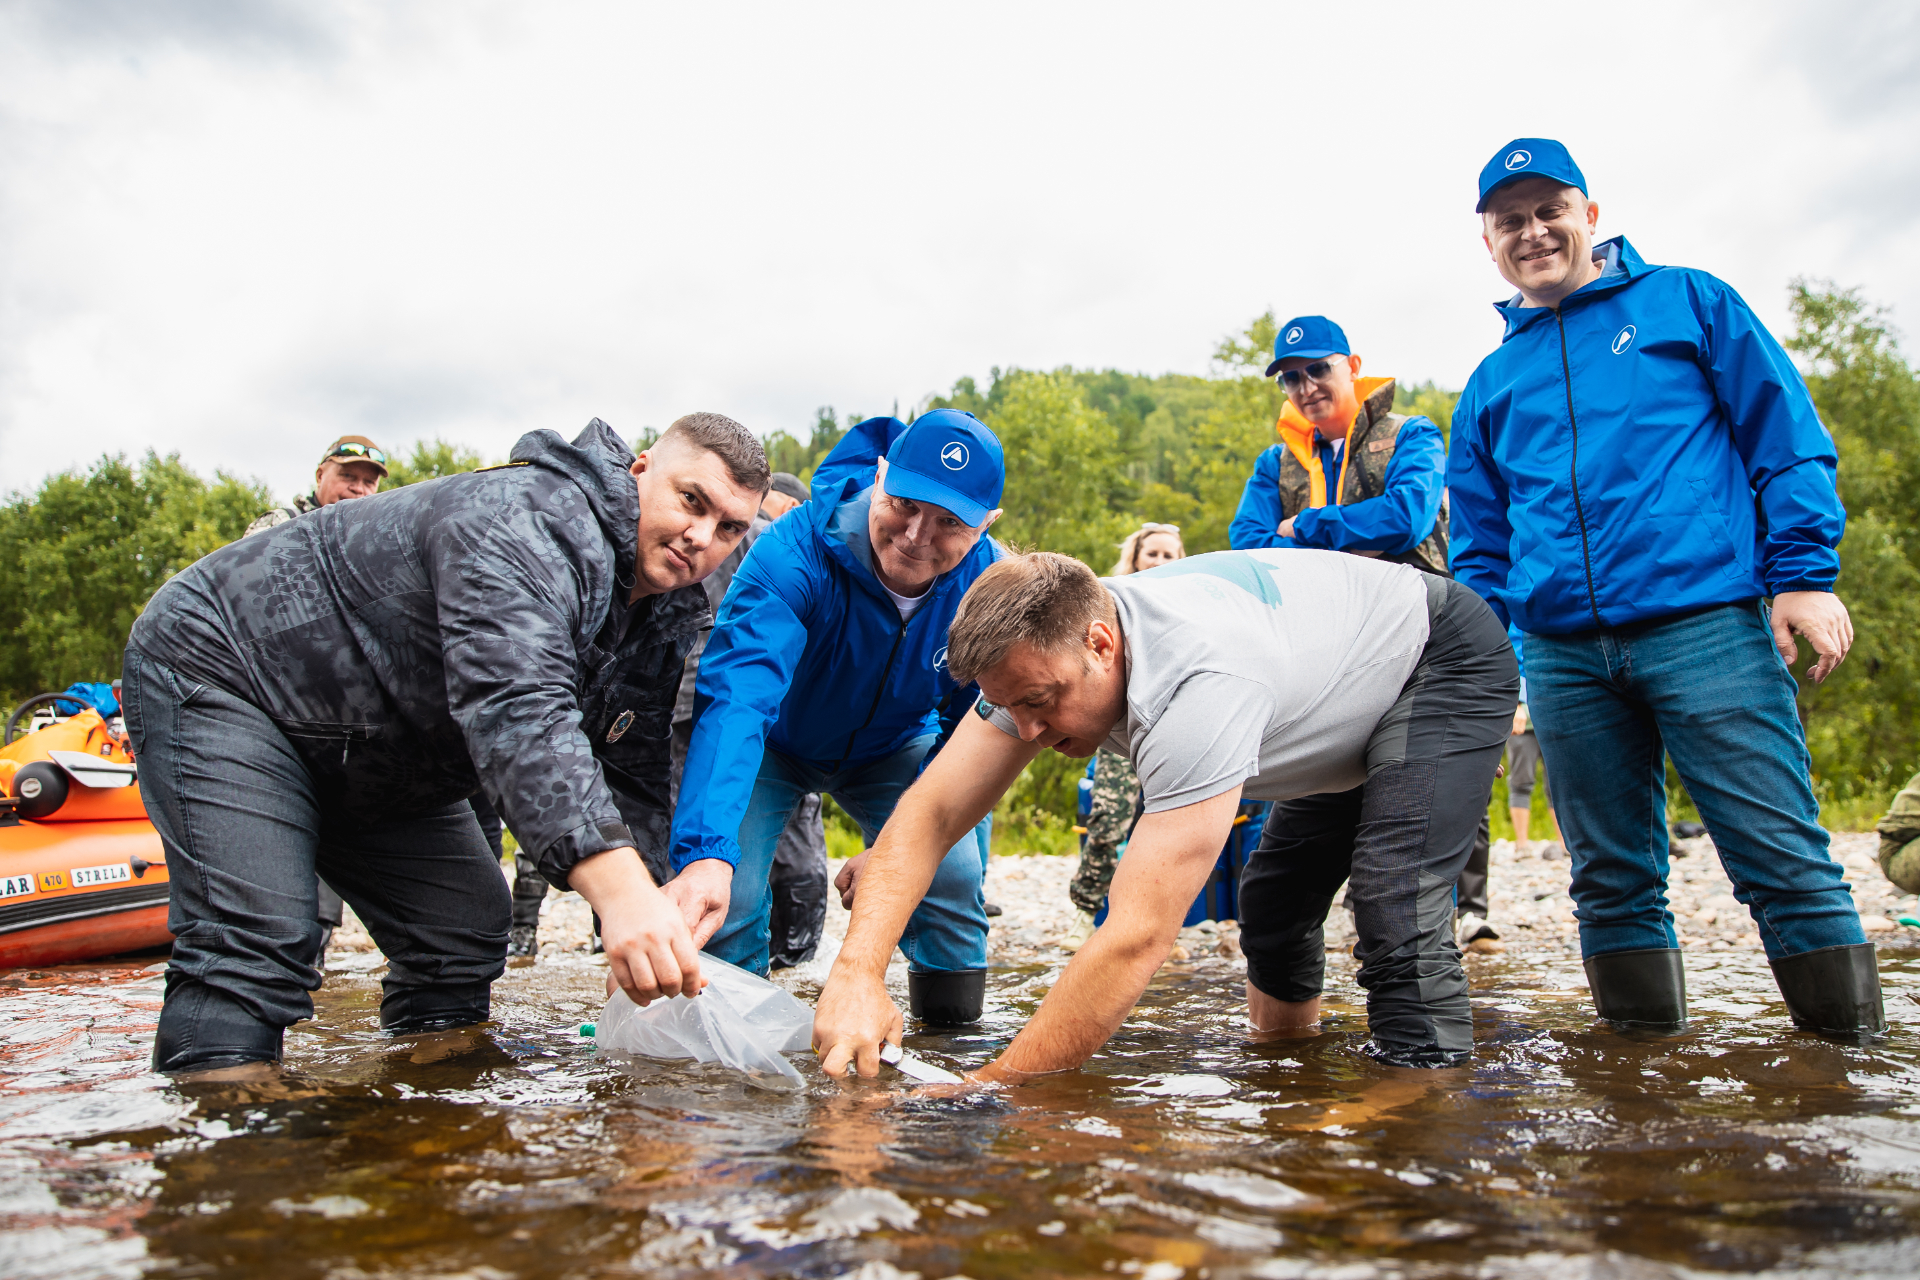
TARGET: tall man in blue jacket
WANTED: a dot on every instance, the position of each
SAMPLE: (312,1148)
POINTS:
(1349,474)
(826,672)
(1635,472)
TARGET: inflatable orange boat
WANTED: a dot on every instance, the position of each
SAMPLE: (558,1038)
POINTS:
(82,871)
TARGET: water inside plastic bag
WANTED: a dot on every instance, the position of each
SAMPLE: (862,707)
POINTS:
(740,1020)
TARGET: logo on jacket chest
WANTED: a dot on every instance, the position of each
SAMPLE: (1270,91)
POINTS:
(1623,339)
(620,725)
(940,659)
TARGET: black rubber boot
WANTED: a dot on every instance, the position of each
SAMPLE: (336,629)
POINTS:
(1834,991)
(951,999)
(1640,988)
(404,1010)
(202,1029)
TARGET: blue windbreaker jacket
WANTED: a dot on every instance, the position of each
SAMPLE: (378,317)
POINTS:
(1396,521)
(1644,450)
(808,654)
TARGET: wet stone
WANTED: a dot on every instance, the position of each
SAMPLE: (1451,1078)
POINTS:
(1189,1149)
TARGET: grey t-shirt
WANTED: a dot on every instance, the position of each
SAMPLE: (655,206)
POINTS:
(1267,667)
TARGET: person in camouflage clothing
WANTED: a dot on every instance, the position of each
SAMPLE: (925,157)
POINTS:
(1900,838)
(327,695)
(1116,804)
(352,467)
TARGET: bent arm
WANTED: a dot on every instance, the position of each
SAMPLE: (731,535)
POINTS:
(1167,864)
(1399,519)
(745,671)
(1790,459)
(958,789)
(514,590)
(1258,517)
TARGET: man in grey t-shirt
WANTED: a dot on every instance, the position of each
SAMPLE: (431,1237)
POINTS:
(1270,674)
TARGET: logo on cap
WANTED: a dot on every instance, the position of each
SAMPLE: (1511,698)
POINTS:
(1294,335)
(954,456)
(1519,160)
(1623,339)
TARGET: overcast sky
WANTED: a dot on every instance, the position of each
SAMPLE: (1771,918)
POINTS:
(238,228)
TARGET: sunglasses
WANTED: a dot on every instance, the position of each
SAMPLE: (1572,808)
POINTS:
(1316,372)
(360,451)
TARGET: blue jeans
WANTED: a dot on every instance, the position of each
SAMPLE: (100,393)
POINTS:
(1710,690)
(948,930)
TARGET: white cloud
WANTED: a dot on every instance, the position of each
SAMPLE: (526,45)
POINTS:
(234,230)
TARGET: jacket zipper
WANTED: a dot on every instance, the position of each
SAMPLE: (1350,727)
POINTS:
(878,693)
(1573,471)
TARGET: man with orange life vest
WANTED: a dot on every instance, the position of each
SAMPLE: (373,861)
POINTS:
(1349,474)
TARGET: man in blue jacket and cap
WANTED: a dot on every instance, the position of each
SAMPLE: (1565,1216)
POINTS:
(1635,473)
(826,672)
(1349,474)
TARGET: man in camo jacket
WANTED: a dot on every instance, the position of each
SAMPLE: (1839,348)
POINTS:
(327,695)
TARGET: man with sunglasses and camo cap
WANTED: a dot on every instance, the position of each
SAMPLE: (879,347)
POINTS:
(352,467)
(1349,474)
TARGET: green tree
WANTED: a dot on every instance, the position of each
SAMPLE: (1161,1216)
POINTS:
(1863,724)
(787,452)
(80,557)
(430,461)
(1427,399)
(1064,474)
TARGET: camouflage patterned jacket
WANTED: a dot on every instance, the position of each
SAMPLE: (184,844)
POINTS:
(1288,480)
(1900,838)
(280,515)
(468,633)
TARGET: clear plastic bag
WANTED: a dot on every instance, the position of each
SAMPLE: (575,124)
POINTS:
(740,1020)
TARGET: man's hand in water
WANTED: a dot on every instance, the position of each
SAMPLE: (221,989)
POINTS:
(702,892)
(851,1020)
(649,951)
(849,878)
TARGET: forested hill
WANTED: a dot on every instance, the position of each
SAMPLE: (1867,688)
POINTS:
(1090,454)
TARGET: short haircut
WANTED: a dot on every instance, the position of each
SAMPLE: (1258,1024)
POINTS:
(733,444)
(1040,599)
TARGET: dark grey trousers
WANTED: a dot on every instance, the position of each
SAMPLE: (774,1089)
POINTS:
(246,830)
(1403,837)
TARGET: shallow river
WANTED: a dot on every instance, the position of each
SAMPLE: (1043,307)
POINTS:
(1186,1149)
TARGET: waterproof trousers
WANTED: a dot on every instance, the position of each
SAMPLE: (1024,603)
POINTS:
(1708,690)
(245,830)
(1403,838)
(947,931)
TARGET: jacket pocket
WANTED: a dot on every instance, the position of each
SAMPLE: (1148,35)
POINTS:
(1715,523)
(311,735)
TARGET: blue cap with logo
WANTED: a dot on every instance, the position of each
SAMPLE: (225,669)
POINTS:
(1310,337)
(1529,158)
(950,459)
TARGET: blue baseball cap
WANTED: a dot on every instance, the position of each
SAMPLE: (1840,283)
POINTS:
(1529,158)
(950,459)
(1309,336)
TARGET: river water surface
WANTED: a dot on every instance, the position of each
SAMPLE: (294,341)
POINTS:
(1187,1149)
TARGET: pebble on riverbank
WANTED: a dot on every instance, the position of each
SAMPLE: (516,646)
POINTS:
(1531,909)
